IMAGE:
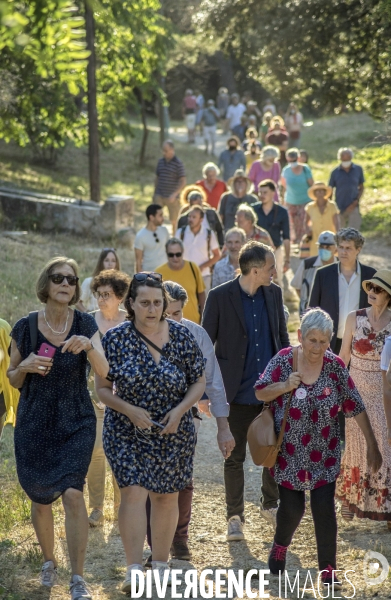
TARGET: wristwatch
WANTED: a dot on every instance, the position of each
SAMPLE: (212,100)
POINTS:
(92,347)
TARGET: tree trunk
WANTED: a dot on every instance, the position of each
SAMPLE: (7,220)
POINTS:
(145,131)
(161,112)
(93,132)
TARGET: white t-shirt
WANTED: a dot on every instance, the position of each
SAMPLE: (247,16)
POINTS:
(152,246)
(196,246)
(349,297)
(386,354)
(89,302)
(234,114)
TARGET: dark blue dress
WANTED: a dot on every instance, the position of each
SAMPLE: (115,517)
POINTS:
(159,463)
(55,423)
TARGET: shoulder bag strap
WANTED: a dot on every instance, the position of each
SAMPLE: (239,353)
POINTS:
(194,275)
(162,352)
(33,327)
(295,354)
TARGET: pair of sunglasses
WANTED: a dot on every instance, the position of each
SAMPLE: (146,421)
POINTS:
(58,278)
(371,287)
(172,254)
(144,276)
(156,237)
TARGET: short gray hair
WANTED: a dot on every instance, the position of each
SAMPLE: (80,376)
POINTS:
(176,292)
(248,212)
(270,152)
(169,143)
(237,231)
(210,166)
(174,240)
(350,234)
(292,153)
(316,318)
(342,150)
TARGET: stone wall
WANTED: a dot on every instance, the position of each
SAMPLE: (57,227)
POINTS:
(114,219)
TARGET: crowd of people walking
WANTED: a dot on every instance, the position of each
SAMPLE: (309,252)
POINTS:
(120,367)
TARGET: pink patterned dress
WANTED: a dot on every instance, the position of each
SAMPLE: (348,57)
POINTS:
(367,495)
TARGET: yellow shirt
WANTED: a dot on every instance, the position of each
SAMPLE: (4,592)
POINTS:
(320,222)
(11,395)
(193,284)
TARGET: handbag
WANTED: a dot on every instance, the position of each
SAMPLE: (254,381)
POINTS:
(261,436)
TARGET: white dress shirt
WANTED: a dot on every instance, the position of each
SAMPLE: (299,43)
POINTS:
(349,296)
(196,246)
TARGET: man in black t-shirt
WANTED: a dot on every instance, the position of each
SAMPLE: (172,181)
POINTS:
(274,218)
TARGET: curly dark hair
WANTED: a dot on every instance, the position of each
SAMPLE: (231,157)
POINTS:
(133,290)
(117,280)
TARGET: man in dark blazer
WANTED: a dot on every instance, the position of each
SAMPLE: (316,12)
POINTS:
(245,320)
(338,287)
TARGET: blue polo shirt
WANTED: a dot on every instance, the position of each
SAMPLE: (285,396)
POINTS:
(259,344)
(346,185)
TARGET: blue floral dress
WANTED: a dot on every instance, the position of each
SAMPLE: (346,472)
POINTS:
(55,423)
(159,463)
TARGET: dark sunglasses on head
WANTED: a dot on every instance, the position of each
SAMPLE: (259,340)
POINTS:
(156,238)
(58,278)
(144,276)
(371,287)
(172,254)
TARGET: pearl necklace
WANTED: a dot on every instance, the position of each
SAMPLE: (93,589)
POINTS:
(51,328)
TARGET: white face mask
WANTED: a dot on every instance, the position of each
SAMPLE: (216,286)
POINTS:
(293,164)
(346,164)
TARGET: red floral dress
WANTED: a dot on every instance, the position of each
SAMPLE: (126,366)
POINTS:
(367,495)
(310,454)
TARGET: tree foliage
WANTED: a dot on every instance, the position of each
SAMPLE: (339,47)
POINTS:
(324,53)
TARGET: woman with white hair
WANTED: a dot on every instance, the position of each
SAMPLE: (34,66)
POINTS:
(310,454)
(267,167)
(214,188)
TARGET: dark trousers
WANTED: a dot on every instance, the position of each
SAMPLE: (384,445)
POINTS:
(240,418)
(341,416)
(291,511)
(3,411)
(185,498)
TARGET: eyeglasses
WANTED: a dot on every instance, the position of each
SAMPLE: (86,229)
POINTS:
(156,238)
(370,287)
(58,278)
(144,276)
(103,295)
(172,254)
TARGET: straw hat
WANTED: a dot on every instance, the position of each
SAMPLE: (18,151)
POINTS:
(382,279)
(240,174)
(319,185)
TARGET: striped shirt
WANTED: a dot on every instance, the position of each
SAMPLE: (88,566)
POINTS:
(168,173)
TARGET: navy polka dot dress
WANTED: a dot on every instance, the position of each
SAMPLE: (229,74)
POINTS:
(159,463)
(55,424)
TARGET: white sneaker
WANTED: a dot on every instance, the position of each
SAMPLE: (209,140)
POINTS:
(235,529)
(131,581)
(161,568)
(270,515)
(48,574)
(78,589)
(96,518)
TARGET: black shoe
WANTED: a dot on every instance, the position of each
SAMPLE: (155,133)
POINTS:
(180,550)
(277,559)
(329,579)
(148,562)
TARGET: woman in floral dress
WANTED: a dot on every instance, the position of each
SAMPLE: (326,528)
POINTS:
(310,453)
(362,493)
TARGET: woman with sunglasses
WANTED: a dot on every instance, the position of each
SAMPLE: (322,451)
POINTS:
(108,259)
(56,425)
(157,369)
(362,493)
(109,289)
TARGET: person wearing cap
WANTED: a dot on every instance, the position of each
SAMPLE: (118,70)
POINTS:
(213,187)
(304,276)
(232,159)
(321,214)
(337,287)
(362,493)
(209,119)
(235,111)
(197,197)
(229,202)
(189,110)
(348,181)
